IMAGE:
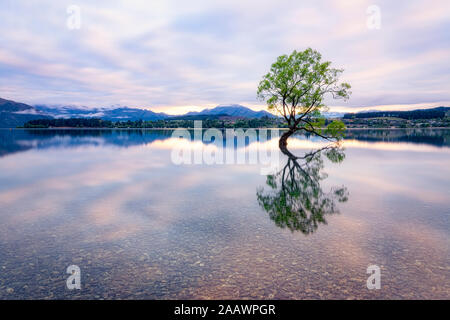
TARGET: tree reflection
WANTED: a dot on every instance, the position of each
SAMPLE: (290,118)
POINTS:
(295,198)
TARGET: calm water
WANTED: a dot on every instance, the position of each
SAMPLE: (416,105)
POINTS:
(140,226)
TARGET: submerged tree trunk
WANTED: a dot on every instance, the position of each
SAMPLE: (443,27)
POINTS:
(283,139)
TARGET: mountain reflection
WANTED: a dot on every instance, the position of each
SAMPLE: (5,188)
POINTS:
(295,198)
(19,140)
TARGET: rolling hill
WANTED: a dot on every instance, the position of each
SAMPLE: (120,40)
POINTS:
(13,114)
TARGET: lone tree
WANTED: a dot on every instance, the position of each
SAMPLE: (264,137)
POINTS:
(295,88)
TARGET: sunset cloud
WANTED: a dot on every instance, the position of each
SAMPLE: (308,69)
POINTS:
(177,55)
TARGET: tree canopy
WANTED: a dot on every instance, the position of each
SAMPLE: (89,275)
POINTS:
(296,86)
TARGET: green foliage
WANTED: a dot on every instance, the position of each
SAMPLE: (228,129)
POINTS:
(296,86)
(335,129)
(335,155)
(295,198)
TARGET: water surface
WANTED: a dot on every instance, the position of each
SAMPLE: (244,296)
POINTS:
(140,226)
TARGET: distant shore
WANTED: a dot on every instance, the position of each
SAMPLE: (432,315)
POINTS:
(191,128)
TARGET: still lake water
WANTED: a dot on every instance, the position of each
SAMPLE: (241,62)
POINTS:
(140,226)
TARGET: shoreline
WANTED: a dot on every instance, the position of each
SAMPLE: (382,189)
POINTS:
(190,128)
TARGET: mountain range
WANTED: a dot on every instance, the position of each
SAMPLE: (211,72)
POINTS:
(112,114)
(13,114)
(234,110)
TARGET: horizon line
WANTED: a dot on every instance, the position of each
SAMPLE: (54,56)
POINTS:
(180,110)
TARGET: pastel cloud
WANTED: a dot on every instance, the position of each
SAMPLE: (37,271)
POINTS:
(169,55)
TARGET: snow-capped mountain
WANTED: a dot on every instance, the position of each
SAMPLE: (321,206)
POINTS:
(13,114)
(106,113)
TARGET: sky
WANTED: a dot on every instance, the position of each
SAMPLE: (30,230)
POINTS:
(178,56)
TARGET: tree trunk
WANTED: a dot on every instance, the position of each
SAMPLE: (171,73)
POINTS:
(283,140)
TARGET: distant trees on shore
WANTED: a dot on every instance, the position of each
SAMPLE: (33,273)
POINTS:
(435,113)
(264,122)
(72,123)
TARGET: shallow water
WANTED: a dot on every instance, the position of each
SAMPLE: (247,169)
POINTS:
(114,203)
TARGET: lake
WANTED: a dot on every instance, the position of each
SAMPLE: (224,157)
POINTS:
(142,224)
